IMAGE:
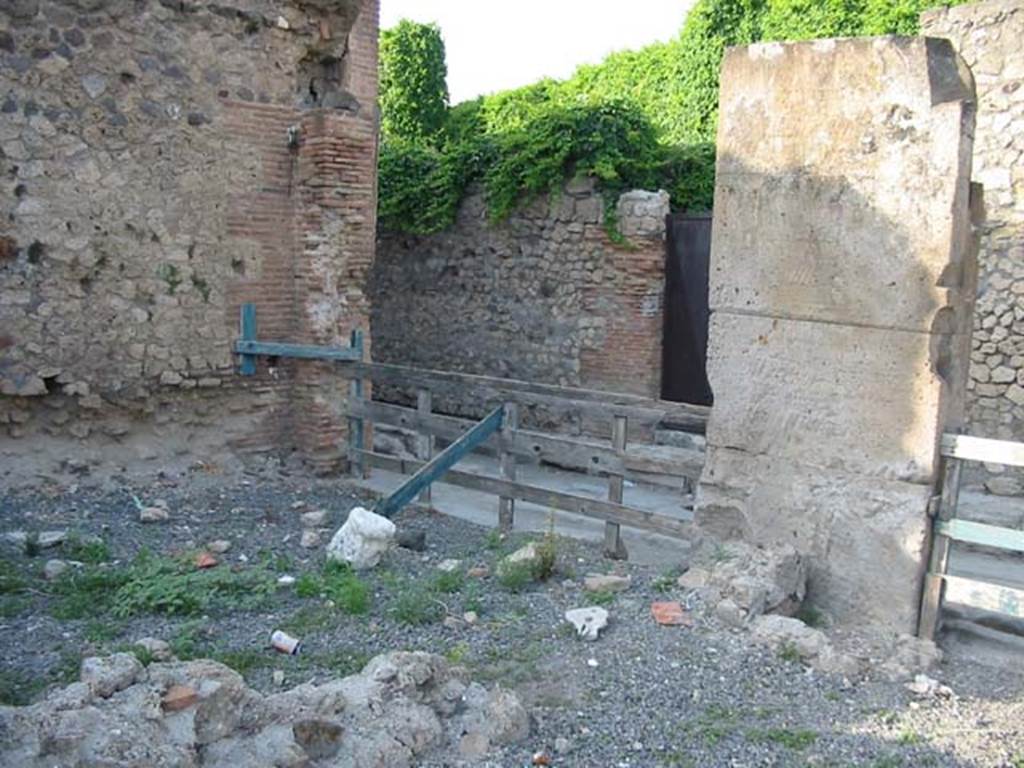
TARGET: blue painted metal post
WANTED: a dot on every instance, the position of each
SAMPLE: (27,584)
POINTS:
(355,425)
(448,458)
(247,331)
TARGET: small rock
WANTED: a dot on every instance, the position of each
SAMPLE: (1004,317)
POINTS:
(449,566)
(154,515)
(50,539)
(412,540)
(541,758)
(588,621)
(925,687)
(563,746)
(106,676)
(474,745)
(452,623)
(205,560)
(179,697)
(610,582)
(362,540)
(278,677)
(315,519)
(285,581)
(695,578)
(527,554)
(310,539)
(478,572)
(592,663)
(54,569)
(470,617)
(729,613)
(219,547)
(298,504)
(155,647)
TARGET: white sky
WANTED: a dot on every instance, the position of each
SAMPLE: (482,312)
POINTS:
(492,45)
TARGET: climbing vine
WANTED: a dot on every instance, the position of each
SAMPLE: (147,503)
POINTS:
(639,119)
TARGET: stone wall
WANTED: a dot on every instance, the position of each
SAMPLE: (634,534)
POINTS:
(842,285)
(989,36)
(151,187)
(544,296)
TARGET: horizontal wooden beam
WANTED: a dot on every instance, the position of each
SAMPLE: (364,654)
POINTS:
(580,505)
(563,451)
(985,595)
(301,351)
(642,410)
(972,448)
(979,533)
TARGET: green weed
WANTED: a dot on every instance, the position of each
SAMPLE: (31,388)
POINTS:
(789,652)
(415,606)
(515,577)
(666,582)
(601,597)
(796,740)
(457,653)
(91,551)
(448,582)
(812,617)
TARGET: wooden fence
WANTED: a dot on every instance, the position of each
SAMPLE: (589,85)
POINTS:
(998,597)
(617,460)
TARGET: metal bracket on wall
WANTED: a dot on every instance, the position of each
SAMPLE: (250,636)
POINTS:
(248,348)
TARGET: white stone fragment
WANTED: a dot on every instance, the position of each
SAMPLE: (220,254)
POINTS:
(362,540)
(588,621)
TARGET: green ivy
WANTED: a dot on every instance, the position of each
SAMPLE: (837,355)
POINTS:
(639,119)
(413,82)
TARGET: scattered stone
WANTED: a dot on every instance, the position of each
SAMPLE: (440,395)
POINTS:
(730,614)
(470,617)
(179,697)
(278,677)
(756,579)
(106,676)
(401,708)
(412,540)
(219,547)
(563,746)
(478,572)
(285,581)
(908,656)
(592,663)
(206,560)
(300,504)
(924,687)
(50,539)
(449,566)
(610,582)
(452,622)
(310,539)
(154,514)
(527,555)
(1004,486)
(541,758)
(54,569)
(811,645)
(315,519)
(588,621)
(671,614)
(362,540)
(155,647)
(694,578)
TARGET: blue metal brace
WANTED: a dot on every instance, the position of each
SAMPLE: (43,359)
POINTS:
(436,467)
(249,348)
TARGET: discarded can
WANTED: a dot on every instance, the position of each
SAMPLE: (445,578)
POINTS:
(285,643)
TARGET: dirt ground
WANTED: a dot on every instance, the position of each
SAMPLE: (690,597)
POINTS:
(641,695)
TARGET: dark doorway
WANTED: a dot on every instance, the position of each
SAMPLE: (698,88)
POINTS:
(684,377)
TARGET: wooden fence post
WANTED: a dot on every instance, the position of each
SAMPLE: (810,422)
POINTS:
(356,440)
(931,598)
(424,440)
(613,546)
(506,505)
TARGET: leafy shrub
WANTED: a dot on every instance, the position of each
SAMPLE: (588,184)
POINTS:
(415,606)
(350,593)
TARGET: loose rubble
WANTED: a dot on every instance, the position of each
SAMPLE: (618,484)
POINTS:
(362,540)
(401,707)
(588,621)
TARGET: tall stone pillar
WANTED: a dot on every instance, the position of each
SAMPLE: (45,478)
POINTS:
(842,276)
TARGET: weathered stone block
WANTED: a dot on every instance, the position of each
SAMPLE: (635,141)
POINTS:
(842,287)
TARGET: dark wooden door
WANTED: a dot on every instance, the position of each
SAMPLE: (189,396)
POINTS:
(684,376)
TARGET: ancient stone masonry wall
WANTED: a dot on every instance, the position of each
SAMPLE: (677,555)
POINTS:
(842,285)
(990,37)
(164,163)
(545,296)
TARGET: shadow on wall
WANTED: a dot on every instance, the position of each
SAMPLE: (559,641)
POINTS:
(841,307)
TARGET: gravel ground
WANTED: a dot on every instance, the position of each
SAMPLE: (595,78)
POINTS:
(642,695)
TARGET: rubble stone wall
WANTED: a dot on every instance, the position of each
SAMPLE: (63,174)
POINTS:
(544,296)
(842,286)
(151,188)
(988,35)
